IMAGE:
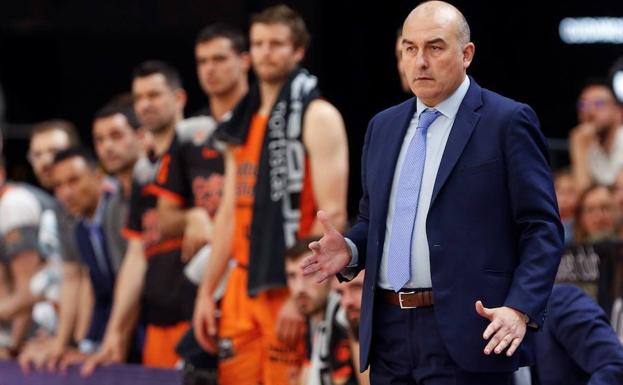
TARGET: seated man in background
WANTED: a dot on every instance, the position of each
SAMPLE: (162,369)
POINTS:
(577,346)
(23,210)
(116,140)
(350,299)
(328,348)
(567,197)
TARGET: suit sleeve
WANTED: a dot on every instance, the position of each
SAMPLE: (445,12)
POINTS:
(535,215)
(581,327)
(359,232)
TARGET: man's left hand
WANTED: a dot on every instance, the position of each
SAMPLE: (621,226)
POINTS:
(506,330)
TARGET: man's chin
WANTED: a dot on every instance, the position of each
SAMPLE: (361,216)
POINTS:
(353,324)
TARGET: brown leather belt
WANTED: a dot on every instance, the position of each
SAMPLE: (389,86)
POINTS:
(408,300)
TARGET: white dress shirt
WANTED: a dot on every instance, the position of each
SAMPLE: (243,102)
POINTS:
(436,140)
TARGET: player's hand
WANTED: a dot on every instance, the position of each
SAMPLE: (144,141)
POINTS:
(34,355)
(506,329)
(112,351)
(204,321)
(329,255)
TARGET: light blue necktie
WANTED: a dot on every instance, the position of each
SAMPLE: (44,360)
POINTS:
(406,203)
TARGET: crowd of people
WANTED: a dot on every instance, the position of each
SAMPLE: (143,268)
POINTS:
(182,242)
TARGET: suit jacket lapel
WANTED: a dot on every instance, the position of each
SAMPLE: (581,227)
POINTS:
(464,124)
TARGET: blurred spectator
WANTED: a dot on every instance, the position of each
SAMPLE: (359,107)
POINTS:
(596,143)
(617,194)
(152,270)
(350,299)
(286,157)
(404,83)
(567,196)
(117,144)
(190,194)
(577,346)
(595,215)
(24,211)
(48,138)
(328,348)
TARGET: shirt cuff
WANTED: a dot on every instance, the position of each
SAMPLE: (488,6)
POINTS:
(350,271)
(354,259)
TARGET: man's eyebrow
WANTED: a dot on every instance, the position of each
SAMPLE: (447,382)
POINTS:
(435,41)
(432,41)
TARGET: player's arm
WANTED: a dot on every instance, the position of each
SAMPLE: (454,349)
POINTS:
(324,136)
(204,320)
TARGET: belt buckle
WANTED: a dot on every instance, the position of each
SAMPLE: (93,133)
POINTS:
(401,299)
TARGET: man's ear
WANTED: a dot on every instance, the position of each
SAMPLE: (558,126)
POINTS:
(468,54)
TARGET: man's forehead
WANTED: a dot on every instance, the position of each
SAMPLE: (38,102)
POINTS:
(599,91)
(48,138)
(274,30)
(217,44)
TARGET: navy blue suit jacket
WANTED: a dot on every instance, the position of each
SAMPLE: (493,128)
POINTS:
(577,345)
(493,227)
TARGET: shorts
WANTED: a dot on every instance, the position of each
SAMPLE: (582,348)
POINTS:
(249,351)
(160,342)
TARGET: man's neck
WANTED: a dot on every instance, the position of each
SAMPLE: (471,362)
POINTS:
(125,178)
(89,213)
(222,104)
(317,317)
(163,139)
(268,94)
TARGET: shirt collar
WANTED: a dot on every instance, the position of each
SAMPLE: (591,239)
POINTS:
(450,106)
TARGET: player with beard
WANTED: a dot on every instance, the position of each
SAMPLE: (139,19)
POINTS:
(286,156)
(328,349)
(191,187)
(152,271)
(116,140)
(350,300)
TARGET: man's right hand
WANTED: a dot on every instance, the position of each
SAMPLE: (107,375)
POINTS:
(204,321)
(329,255)
(582,136)
(112,351)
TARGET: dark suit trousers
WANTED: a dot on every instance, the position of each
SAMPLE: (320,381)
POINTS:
(407,349)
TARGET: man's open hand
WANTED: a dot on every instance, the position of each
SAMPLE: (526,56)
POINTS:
(329,255)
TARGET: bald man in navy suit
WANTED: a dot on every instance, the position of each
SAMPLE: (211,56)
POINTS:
(458,227)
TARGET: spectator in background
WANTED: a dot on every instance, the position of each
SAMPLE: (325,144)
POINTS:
(350,299)
(189,196)
(152,271)
(596,143)
(328,349)
(577,346)
(284,119)
(23,210)
(617,194)
(116,140)
(567,196)
(48,138)
(404,83)
(595,215)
